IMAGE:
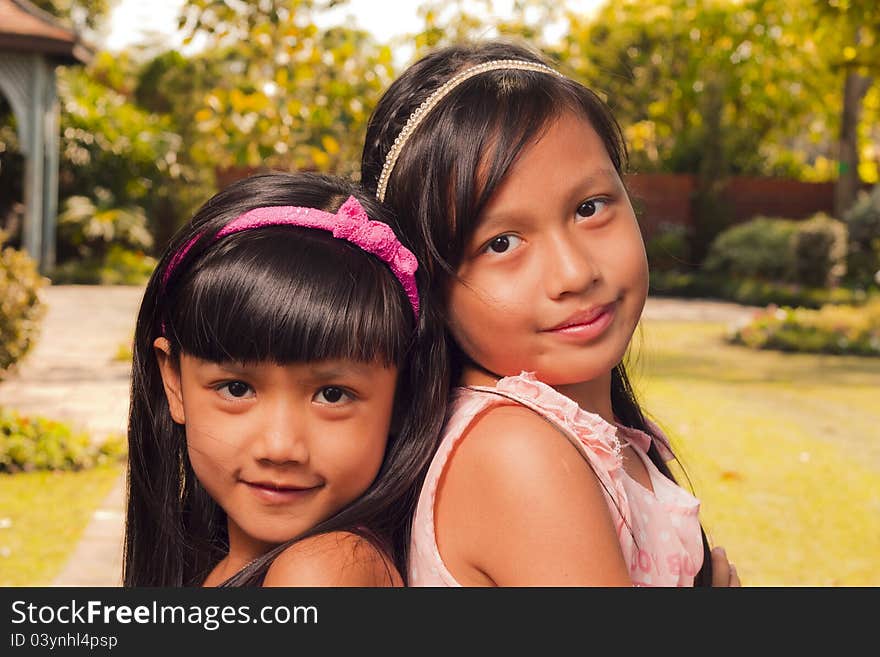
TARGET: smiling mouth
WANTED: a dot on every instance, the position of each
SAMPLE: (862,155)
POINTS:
(585,317)
(268,485)
(586,325)
(271,493)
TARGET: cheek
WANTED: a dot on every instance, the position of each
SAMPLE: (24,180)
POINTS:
(357,455)
(210,449)
(483,307)
(627,257)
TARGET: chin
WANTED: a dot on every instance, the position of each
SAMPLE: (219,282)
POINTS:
(574,373)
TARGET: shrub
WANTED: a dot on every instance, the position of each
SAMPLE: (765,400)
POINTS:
(21,310)
(753,292)
(863,223)
(40,444)
(119,266)
(818,252)
(756,249)
(831,329)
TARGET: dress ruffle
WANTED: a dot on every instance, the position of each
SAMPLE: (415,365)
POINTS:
(599,436)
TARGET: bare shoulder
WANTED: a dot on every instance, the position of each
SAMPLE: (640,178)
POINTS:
(333,559)
(515,475)
(515,441)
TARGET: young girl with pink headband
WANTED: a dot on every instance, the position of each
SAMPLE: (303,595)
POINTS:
(283,402)
(506,179)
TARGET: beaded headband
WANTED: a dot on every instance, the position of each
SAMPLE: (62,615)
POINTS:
(431,101)
(349,223)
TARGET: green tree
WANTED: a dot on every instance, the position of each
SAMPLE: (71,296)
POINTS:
(446,22)
(86,16)
(284,94)
(115,153)
(857,57)
(658,63)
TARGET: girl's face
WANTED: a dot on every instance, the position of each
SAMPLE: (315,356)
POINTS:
(280,448)
(555,277)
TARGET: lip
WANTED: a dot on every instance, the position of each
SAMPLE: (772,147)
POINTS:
(279,493)
(586,324)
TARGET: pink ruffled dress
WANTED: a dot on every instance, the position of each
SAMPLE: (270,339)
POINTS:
(659,530)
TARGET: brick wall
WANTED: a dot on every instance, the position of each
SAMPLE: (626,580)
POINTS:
(666,198)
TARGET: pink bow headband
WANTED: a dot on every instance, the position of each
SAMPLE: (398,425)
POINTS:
(350,223)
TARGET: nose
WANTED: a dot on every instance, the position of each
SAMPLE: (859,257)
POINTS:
(569,266)
(283,436)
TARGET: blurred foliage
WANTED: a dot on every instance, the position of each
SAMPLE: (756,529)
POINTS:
(110,242)
(657,63)
(112,148)
(810,253)
(93,228)
(83,15)
(755,249)
(37,443)
(831,329)
(118,266)
(753,291)
(863,222)
(21,310)
(281,93)
(818,252)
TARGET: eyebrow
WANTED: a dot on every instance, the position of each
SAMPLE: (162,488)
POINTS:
(328,371)
(321,371)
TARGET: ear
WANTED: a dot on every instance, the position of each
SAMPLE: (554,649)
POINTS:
(170,379)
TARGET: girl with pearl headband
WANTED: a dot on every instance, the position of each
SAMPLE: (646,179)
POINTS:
(505,178)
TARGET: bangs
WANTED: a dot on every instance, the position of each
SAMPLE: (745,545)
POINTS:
(288,295)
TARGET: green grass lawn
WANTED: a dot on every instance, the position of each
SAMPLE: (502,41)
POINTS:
(42,516)
(782,449)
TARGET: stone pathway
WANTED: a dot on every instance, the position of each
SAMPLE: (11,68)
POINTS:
(71,375)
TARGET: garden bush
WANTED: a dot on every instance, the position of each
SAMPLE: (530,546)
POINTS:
(830,330)
(754,292)
(758,249)
(863,223)
(41,444)
(818,252)
(109,242)
(21,310)
(118,266)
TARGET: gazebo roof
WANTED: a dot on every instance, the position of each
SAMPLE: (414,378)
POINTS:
(26,28)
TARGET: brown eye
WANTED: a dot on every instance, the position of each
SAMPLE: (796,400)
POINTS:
(503,244)
(332,395)
(590,207)
(500,244)
(235,390)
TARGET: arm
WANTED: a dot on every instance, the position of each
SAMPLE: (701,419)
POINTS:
(519,506)
(333,559)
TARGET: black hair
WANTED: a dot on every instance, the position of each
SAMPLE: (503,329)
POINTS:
(459,154)
(286,295)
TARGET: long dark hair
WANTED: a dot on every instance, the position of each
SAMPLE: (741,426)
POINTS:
(285,295)
(481,125)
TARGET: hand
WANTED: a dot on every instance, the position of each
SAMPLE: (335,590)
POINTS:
(723,572)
